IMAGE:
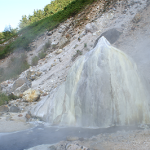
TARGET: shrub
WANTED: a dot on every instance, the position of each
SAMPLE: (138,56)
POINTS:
(47,45)
(3,99)
(41,55)
(85,45)
(78,52)
(12,96)
(35,61)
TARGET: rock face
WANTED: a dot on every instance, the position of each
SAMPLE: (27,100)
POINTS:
(17,87)
(103,88)
(112,35)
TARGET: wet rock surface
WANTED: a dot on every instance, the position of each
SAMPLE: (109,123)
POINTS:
(92,139)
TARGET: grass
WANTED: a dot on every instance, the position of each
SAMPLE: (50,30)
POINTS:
(29,33)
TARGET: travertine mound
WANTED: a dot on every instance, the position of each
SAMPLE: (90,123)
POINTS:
(102,89)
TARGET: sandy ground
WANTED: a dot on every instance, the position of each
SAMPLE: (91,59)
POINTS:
(121,140)
(11,122)
(12,126)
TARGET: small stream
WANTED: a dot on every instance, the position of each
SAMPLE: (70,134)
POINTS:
(51,134)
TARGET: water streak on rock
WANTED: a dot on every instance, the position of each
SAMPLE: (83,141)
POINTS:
(103,88)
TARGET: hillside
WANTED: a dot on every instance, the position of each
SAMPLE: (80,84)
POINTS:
(125,24)
(36,27)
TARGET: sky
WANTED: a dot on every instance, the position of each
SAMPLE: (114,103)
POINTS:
(11,11)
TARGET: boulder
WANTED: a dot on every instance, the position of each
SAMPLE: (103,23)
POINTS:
(91,27)
(59,51)
(14,109)
(102,89)
(74,146)
(63,41)
(28,117)
(111,35)
(20,85)
(49,33)
(30,75)
(54,44)
(31,95)
(4,108)
(38,73)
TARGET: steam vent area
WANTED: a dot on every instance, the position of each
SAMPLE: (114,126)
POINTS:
(102,89)
(76,76)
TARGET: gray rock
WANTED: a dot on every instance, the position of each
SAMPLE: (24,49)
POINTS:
(28,117)
(21,89)
(91,27)
(4,108)
(111,35)
(14,109)
(52,147)
(63,41)
(50,33)
(20,85)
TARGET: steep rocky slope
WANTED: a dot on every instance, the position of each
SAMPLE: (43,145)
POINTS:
(78,35)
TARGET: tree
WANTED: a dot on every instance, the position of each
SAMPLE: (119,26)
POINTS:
(23,22)
(7,31)
(1,35)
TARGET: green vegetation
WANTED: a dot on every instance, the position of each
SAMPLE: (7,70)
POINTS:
(42,55)
(49,10)
(35,61)
(46,46)
(78,53)
(7,34)
(4,99)
(16,66)
(37,27)
(12,97)
(85,45)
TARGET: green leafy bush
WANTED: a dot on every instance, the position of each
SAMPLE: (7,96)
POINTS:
(3,99)
(12,97)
